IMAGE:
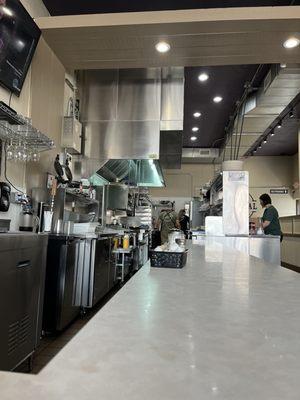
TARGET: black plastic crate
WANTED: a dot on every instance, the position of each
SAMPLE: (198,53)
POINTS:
(167,259)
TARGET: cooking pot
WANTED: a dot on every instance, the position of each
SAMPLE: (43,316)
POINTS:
(28,222)
(178,237)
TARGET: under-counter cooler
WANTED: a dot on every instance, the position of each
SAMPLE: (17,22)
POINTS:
(22,277)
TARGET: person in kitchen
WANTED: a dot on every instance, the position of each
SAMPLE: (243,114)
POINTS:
(270,219)
(167,220)
(184,222)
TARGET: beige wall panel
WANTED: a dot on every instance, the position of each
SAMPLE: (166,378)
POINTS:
(287,225)
(185,182)
(290,250)
(48,76)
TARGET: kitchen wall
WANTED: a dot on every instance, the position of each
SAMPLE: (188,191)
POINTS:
(42,100)
(265,173)
(185,182)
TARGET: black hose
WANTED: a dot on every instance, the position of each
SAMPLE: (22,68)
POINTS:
(241,131)
(5,172)
(236,131)
(243,99)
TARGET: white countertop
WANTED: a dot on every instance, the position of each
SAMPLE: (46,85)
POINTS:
(226,326)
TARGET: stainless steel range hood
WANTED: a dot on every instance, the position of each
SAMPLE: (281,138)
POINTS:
(142,173)
(123,113)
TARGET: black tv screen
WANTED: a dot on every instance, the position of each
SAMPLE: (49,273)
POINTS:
(19,36)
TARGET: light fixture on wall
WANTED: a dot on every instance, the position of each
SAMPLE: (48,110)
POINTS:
(162,47)
(291,114)
(7,11)
(265,140)
(291,43)
(273,133)
(279,125)
(282,65)
(260,146)
(193,138)
(195,129)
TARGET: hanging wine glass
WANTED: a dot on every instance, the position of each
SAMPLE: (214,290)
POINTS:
(29,155)
(24,153)
(18,152)
(10,151)
(35,156)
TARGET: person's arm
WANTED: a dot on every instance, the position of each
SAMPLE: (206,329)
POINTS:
(265,224)
(158,223)
(267,218)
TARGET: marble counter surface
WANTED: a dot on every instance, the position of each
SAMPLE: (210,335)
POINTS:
(226,326)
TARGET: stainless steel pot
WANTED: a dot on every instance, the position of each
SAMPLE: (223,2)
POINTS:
(28,222)
(177,236)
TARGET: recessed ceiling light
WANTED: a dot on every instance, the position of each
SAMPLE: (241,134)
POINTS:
(195,129)
(282,65)
(6,11)
(291,43)
(193,138)
(197,114)
(218,99)
(203,77)
(162,47)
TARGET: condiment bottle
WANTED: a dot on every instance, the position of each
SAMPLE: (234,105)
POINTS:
(126,242)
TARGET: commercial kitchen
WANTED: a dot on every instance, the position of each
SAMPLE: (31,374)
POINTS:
(149,199)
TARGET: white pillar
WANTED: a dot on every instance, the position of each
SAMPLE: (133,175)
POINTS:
(236,202)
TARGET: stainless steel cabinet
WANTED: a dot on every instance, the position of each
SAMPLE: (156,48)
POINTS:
(22,275)
(62,265)
(96,275)
(100,275)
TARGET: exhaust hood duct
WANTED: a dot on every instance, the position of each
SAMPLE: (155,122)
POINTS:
(170,154)
(140,173)
(279,88)
(123,112)
(199,155)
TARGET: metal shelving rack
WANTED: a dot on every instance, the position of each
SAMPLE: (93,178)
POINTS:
(16,128)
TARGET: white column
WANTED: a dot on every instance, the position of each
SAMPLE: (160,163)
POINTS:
(236,202)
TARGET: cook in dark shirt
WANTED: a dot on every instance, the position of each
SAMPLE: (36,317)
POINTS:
(184,221)
(270,220)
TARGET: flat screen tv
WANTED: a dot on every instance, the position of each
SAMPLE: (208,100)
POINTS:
(19,36)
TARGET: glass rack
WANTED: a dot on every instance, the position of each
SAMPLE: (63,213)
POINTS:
(15,129)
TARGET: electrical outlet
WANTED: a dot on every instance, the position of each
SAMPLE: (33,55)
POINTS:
(18,198)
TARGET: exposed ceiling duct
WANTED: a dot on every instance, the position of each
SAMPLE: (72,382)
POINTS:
(123,113)
(199,155)
(279,88)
